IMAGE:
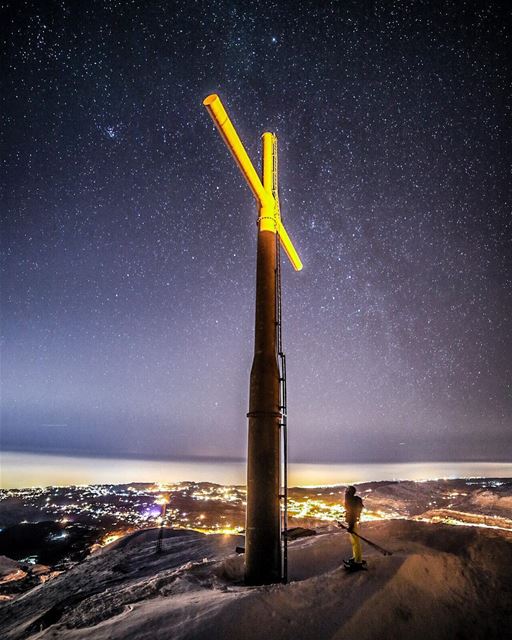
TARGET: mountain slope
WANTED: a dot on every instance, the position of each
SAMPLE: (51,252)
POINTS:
(441,582)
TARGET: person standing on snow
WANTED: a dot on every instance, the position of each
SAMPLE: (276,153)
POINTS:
(353,507)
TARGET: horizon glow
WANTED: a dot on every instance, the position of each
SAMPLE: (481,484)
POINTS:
(23,470)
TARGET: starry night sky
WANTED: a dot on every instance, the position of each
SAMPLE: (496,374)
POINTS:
(129,237)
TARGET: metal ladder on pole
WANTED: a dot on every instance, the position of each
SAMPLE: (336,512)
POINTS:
(283,408)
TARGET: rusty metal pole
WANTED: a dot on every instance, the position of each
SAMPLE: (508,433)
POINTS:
(263,527)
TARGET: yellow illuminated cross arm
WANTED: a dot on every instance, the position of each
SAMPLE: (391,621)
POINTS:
(288,247)
(267,204)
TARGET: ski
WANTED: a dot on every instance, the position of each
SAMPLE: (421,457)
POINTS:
(384,552)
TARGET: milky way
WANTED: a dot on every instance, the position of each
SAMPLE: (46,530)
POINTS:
(129,237)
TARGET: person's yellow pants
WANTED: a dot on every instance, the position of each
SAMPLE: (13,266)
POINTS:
(356,545)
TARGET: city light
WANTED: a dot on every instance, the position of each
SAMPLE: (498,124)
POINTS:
(117,510)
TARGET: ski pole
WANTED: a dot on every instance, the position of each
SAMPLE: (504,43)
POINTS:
(384,552)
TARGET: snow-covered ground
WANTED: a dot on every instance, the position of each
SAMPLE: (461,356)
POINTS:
(441,582)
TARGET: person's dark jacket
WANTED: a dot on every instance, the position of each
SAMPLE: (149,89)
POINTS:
(353,508)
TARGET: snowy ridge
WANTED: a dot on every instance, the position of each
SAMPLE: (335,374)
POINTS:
(441,582)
